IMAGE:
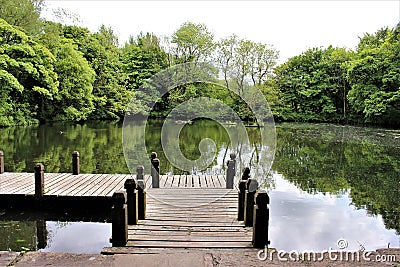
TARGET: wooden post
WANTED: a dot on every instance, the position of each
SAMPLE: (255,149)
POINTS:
(39,180)
(242,193)
(1,162)
(261,220)
(155,170)
(75,163)
(132,200)
(119,226)
(251,188)
(141,192)
(230,172)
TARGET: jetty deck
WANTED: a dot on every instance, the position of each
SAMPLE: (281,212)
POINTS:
(95,185)
(188,218)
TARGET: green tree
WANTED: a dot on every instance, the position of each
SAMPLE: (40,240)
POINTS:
(22,13)
(142,57)
(374,76)
(28,82)
(194,43)
(313,85)
(76,77)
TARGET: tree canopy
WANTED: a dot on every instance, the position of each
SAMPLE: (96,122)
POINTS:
(52,71)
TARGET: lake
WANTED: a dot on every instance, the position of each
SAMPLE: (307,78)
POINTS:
(327,182)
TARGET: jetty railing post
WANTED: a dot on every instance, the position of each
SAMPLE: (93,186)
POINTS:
(132,200)
(242,193)
(1,162)
(155,170)
(39,180)
(230,172)
(261,220)
(251,188)
(141,186)
(75,163)
(119,226)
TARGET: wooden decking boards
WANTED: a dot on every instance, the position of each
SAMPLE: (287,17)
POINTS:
(96,185)
(188,218)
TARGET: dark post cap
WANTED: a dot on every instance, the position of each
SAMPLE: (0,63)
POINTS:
(119,198)
(246,173)
(262,199)
(153,155)
(130,183)
(233,156)
(251,185)
(140,168)
(39,167)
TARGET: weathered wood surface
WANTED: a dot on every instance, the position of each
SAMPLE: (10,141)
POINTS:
(93,185)
(190,218)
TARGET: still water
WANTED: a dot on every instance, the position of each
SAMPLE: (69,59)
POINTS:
(327,182)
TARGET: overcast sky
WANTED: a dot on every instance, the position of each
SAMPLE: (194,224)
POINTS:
(290,26)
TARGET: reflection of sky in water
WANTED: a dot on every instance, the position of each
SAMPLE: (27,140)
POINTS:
(302,221)
(77,237)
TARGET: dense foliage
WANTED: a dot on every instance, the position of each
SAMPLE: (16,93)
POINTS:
(50,71)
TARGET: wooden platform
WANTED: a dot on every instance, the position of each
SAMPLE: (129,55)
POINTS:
(96,185)
(67,190)
(189,218)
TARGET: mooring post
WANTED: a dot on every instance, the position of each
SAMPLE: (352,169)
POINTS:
(1,162)
(119,226)
(155,170)
(230,172)
(39,180)
(75,163)
(141,192)
(261,220)
(242,192)
(251,188)
(132,200)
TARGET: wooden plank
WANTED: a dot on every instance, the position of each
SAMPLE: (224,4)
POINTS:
(171,244)
(158,233)
(209,180)
(188,181)
(110,182)
(60,185)
(86,186)
(189,228)
(221,179)
(203,182)
(13,178)
(175,182)
(116,185)
(182,181)
(196,181)
(77,184)
(19,185)
(93,187)
(189,238)
(51,180)
(163,180)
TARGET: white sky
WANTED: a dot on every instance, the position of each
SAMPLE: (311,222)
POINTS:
(290,26)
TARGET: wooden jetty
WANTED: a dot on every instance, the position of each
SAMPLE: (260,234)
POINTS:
(153,211)
(188,218)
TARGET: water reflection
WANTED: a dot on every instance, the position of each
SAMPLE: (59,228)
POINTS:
(328,182)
